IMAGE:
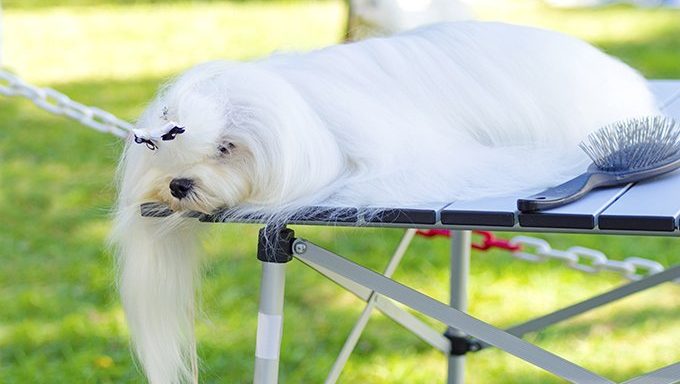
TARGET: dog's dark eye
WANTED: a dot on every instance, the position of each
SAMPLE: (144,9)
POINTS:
(225,149)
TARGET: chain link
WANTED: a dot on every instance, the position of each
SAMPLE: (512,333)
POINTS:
(584,259)
(535,250)
(539,245)
(57,103)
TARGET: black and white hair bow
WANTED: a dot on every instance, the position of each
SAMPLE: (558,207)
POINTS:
(151,137)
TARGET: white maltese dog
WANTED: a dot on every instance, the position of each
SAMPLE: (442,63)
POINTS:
(447,112)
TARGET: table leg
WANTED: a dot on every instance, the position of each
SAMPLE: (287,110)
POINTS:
(269,323)
(274,251)
(460,267)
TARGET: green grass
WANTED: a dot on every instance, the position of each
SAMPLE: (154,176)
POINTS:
(60,321)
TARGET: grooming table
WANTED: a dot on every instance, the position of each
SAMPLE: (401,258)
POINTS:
(650,208)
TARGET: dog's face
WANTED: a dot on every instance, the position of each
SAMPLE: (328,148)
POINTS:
(196,157)
(202,169)
(216,175)
(229,137)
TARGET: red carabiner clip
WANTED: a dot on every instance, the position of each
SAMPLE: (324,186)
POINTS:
(488,239)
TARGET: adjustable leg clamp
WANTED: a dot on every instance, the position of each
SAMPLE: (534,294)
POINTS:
(275,245)
(460,345)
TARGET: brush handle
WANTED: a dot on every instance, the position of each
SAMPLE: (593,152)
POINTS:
(564,193)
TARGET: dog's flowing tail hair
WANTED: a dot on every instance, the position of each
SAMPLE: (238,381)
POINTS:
(157,270)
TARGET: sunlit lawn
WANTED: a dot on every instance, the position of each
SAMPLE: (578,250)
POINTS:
(60,321)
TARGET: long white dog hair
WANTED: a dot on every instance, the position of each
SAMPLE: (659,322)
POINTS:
(448,112)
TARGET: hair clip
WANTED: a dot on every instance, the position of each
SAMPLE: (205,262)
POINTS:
(149,144)
(151,137)
(172,133)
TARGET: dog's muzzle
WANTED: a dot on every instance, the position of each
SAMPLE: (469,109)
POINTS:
(180,188)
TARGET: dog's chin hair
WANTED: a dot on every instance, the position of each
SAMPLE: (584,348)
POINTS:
(196,202)
(458,111)
(157,270)
(200,199)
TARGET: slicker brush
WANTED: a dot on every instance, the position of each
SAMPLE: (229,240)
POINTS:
(623,152)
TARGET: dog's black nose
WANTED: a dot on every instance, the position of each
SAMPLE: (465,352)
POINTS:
(180,188)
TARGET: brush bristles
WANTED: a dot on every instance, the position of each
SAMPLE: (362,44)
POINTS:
(634,144)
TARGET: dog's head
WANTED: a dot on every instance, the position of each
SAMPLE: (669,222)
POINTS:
(228,135)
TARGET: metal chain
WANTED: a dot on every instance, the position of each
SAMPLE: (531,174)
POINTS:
(59,104)
(583,259)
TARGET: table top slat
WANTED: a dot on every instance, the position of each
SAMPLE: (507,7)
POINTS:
(581,214)
(650,205)
(418,214)
(497,211)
